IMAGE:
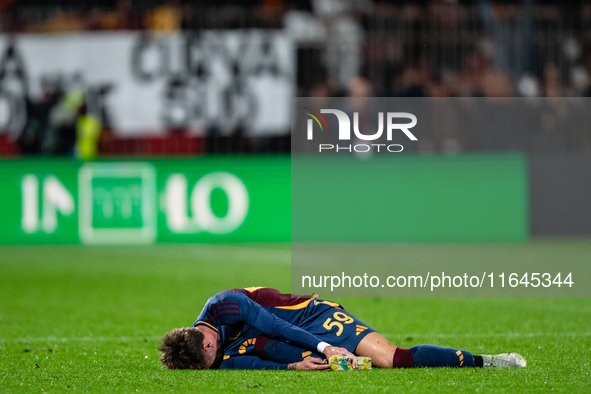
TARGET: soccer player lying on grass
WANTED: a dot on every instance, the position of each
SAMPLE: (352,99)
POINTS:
(261,328)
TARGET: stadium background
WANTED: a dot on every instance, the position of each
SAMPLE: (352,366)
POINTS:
(85,130)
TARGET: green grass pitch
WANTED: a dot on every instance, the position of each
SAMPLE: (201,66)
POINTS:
(89,319)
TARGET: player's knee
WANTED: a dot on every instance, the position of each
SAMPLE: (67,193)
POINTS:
(378,348)
(382,361)
(380,358)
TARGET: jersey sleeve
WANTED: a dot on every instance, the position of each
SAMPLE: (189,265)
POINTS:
(250,362)
(235,307)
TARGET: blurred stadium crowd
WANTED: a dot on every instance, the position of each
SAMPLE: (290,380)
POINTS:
(343,48)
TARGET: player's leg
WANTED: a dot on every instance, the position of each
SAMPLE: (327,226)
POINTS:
(340,328)
(384,354)
(377,347)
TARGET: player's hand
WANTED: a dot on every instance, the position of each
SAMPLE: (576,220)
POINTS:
(331,351)
(311,364)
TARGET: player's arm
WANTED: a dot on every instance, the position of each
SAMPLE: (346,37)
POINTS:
(253,362)
(235,307)
(260,319)
(269,324)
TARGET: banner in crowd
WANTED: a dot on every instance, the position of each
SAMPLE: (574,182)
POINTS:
(139,83)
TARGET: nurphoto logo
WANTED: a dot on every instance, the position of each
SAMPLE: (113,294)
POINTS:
(344,133)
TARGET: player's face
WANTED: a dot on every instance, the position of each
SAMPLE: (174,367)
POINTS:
(209,359)
(212,351)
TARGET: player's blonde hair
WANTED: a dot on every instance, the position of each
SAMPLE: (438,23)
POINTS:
(181,349)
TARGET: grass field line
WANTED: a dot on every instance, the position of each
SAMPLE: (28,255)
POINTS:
(214,253)
(232,254)
(154,337)
(82,339)
(498,335)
